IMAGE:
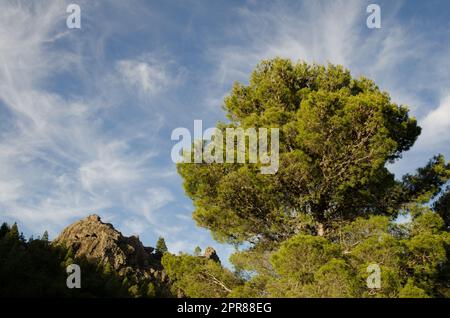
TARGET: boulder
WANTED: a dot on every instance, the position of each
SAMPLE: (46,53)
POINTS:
(210,253)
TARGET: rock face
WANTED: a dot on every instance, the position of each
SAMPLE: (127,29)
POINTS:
(101,242)
(210,253)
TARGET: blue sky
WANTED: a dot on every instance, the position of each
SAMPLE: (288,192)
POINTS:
(86,114)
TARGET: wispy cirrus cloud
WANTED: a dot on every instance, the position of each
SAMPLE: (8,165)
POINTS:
(436,127)
(149,77)
(401,57)
(61,157)
(314,31)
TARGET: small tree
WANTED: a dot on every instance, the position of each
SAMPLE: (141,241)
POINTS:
(161,246)
(199,277)
(13,233)
(4,229)
(107,269)
(45,236)
(197,251)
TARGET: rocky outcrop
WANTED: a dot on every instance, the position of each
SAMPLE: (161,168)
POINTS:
(210,253)
(101,243)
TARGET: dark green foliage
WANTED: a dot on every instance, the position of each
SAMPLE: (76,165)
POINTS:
(442,207)
(413,259)
(37,269)
(197,251)
(198,276)
(428,181)
(336,135)
(45,236)
(13,234)
(4,229)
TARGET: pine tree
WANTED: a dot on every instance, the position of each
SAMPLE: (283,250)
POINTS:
(313,107)
(315,226)
(107,269)
(22,238)
(198,276)
(69,253)
(442,207)
(45,236)
(4,229)
(197,251)
(161,246)
(13,234)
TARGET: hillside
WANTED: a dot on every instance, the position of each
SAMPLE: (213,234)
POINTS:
(112,265)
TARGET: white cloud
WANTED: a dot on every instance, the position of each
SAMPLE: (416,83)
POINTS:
(133,226)
(150,75)
(147,203)
(113,166)
(181,245)
(149,78)
(436,126)
(10,190)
